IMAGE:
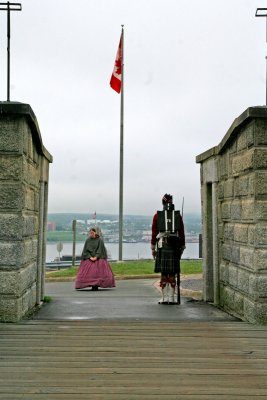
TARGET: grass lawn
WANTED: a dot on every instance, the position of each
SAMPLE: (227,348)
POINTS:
(132,268)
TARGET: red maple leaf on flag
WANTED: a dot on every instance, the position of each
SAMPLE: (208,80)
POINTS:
(115,81)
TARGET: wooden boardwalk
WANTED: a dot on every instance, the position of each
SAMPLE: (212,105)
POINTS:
(128,360)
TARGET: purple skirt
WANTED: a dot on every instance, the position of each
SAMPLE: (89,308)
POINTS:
(94,273)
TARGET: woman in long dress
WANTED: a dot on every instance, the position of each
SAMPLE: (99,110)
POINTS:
(94,270)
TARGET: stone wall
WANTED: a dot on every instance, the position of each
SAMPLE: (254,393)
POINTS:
(235,276)
(24,166)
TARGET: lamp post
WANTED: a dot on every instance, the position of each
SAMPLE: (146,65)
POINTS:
(9,7)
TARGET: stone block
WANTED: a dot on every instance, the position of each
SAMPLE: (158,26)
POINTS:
(241,187)
(233,276)
(252,292)
(30,173)
(223,166)
(250,134)
(229,188)
(10,135)
(210,170)
(30,250)
(221,190)
(251,235)
(9,283)
(236,210)
(243,280)
(228,231)
(247,257)
(260,260)
(15,283)
(262,286)
(44,171)
(242,162)
(29,199)
(226,252)
(220,231)
(227,296)
(261,185)
(224,272)
(249,310)
(10,309)
(10,226)
(261,313)
(28,300)
(13,309)
(238,306)
(10,167)
(30,225)
(261,234)
(241,233)
(232,147)
(36,201)
(235,254)
(260,132)
(33,176)
(11,196)
(11,255)
(248,210)
(261,210)
(255,313)
(241,141)
(260,159)
(16,227)
(226,210)
(251,184)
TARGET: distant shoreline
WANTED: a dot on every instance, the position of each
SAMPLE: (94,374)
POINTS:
(106,242)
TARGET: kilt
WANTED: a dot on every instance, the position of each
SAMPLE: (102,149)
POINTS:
(167,260)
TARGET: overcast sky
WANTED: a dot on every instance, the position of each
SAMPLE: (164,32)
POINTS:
(191,68)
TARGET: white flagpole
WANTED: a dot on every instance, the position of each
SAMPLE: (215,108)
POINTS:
(121,148)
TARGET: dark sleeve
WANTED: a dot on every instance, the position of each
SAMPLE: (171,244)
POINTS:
(154,229)
(86,250)
(101,251)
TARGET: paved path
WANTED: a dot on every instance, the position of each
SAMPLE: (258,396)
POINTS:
(131,300)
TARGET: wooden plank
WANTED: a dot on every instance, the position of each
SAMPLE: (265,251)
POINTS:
(133,360)
(124,389)
(130,396)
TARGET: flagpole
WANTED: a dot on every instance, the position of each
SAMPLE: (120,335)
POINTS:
(121,147)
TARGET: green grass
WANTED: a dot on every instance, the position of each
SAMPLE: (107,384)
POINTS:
(66,236)
(132,268)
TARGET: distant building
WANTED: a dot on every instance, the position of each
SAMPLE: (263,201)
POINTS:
(51,226)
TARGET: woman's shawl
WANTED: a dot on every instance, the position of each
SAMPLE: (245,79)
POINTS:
(94,248)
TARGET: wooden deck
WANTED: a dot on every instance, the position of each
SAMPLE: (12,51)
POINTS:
(133,360)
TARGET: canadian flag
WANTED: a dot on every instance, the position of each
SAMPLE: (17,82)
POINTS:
(115,81)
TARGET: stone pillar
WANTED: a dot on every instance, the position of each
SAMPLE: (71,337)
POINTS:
(209,227)
(239,213)
(24,167)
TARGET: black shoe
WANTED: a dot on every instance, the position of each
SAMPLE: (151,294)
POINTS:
(94,288)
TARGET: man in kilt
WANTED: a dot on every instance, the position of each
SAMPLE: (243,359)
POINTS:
(167,245)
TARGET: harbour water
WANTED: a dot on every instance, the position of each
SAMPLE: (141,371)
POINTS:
(131,251)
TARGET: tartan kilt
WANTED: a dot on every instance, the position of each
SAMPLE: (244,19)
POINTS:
(167,260)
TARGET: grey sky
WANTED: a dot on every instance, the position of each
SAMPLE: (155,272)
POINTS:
(191,68)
